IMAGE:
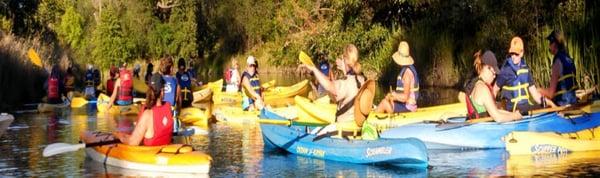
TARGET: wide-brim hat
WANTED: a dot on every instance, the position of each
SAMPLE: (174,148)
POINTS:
(363,103)
(402,56)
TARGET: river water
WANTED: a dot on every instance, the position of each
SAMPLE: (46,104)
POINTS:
(237,150)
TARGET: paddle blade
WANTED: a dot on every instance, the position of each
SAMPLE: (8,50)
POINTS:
(58,148)
(305,59)
(34,57)
(78,102)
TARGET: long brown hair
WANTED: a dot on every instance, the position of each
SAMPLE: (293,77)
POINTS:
(477,63)
(166,64)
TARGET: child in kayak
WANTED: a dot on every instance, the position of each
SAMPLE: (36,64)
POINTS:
(184,77)
(232,77)
(562,82)
(404,98)
(155,123)
(481,98)
(253,98)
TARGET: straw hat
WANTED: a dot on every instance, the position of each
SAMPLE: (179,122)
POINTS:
(516,46)
(402,56)
(363,103)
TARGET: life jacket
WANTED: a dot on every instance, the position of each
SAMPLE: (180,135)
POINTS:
(96,77)
(89,78)
(162,124)
(400,83)
(53,88)
(228,76)
(324,67)
(170,89)
(472,113)
(516,90)
(110,86)
(185,84)
(254,81)
(565,90)
(125,92)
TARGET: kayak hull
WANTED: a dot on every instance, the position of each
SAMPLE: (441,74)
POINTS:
(102,106)
(237,115)
(195,116)
(175,158)
(489,135)
(276,97)
(409,152)
(5,121)
(525,143)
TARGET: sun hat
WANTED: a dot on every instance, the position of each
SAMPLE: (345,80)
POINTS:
(489,58)
(516,46)
(251,60)
(402,56)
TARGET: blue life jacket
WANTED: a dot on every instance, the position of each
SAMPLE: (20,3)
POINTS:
(565,90)
(254,82)
(185,84)
(400,83)
(515,79)
(89,78)
(170,89)
(324,67)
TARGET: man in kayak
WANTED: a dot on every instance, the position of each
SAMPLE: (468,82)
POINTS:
(232,77)
(562,83)
(404,98)
(110,83)
(155,123)
(69,82)
(184,77)
(171,89)
(55,87)
(481,98)
(344,90)
(516,82)
(253,98)
(123,90)
(91,81)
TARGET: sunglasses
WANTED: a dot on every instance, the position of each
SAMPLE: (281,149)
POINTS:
(514,54)
(252,65)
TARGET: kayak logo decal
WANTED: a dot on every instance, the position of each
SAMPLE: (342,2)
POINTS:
(379,151)
(548,148)
(310,152)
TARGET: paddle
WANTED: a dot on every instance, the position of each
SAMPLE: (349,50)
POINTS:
(78,102)
(34,57)
(290,122)
(305,59)
(59,148)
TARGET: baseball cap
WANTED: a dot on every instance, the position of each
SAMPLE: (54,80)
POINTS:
(489,58)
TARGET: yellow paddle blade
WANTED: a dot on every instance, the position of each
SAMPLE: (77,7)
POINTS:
(34,57)
(305,59)
(78,102)
(268,84)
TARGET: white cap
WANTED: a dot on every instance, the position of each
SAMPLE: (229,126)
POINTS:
(251,60)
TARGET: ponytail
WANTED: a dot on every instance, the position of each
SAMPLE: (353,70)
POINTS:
(152,96)
(477,63)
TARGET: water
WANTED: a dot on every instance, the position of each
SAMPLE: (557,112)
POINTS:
(237,150)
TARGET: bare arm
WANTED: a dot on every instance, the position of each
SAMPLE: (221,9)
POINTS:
(138,133)
(327,84)
(246,84)
(408,79)
(483,95)
(550,91)
(537,96)
(113,97)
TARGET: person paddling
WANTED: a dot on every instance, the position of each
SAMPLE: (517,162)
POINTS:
(123,90)
(482,98)
(155,123)
(562,82)
(253,98)
(344,90)
(517,83)
(55,86)
(184,77)
(404,98)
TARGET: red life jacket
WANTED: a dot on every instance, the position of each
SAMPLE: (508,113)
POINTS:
(163,125)
(110,86)
(126,88)
(53,93)
(228,76)
(471,112)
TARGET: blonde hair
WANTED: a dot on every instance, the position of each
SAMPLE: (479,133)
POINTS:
(351,56)
(477,63)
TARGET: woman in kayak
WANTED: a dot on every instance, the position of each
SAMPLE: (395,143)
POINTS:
(516,82)
(562,83)
(344,90)
(404,98)
(482,98)
(155,123)
(110,83)
(55,86)
(232,77)
(251,83)
(123,90)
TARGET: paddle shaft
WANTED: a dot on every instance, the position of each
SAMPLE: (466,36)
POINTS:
(102,143)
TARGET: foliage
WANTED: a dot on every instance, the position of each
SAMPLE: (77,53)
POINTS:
(71,27)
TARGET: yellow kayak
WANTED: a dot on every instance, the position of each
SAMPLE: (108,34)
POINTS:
(237,115)
(195,116)
(322,112)
(204,93)
(277,96)
(102,106)
(524,143)
(548,164)
(139,85)
(175,158)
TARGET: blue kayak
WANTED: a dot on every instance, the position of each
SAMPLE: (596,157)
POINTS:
(408,152)
(489,135)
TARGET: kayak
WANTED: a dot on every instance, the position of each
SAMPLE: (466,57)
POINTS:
(550,165)
(45,107)
(408,152)
(237,115)
(489,134)
(5,121)
(204,93)
(195,116)
(519,143)
(278,96)
(177,158)
(102,106)
(322,112)
(139,85)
